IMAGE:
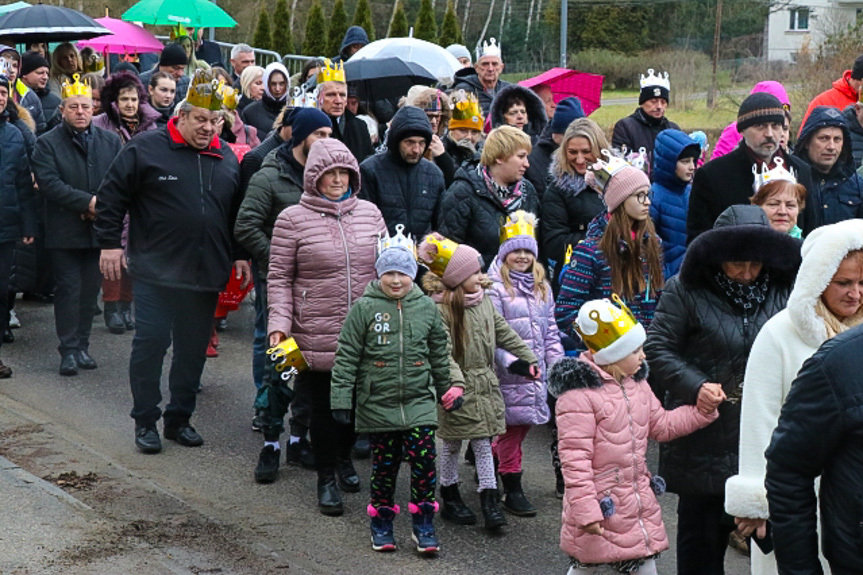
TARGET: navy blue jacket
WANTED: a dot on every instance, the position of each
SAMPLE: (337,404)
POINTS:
(670,198)
(838,194)
(17,202)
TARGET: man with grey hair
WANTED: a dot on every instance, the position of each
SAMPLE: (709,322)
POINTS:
(242,56)
(180,187)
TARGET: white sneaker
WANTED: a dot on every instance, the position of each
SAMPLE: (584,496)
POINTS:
(14,322)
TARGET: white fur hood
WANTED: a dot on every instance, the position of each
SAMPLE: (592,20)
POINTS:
(822,252)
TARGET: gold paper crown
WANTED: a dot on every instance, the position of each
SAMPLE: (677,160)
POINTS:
(612,323)
(211,94)
(180,30)
(445,249)
(603,170)
(466,113)
(331,73)
(287,355)
(397,240)
(765,176)
(518,223)
(78,88)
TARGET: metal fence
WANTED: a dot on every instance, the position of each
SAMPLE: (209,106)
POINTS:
(293,62)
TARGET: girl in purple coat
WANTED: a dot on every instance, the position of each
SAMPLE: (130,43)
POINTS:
(521,294)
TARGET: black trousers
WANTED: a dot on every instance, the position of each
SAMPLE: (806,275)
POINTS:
(332,441)
(703,528)
(77,277)
(7,251)
(163,314)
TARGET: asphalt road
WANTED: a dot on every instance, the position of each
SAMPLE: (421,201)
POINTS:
(201,507)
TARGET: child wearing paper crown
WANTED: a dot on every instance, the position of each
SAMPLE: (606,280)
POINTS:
(458,286)
(523,297)
(393,355)
(605,413)
(621,252)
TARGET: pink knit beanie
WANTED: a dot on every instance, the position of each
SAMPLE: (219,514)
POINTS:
(465,262)
(622,184)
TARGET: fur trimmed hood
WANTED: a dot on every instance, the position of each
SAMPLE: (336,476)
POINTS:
(823,252)
(536,118)
(575,373)
(24,116)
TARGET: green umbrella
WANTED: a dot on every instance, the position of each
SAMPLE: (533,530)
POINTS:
(189,13)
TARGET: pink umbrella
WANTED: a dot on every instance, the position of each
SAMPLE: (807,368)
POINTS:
(564,83)
(125,38)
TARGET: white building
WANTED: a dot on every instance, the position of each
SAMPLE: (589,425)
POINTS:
(806,22)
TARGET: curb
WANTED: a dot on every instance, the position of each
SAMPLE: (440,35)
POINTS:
(25,476)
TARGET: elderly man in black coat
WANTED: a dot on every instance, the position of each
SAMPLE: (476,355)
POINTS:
(69,163)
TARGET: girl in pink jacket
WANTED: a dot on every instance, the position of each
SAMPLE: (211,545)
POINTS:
(606,411)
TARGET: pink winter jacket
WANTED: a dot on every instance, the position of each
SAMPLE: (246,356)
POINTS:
(603,427)
(322,257)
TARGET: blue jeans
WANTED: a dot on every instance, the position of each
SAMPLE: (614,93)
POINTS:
(163,314)
(260,343)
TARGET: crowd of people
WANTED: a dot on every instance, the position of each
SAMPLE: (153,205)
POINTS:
(462,264)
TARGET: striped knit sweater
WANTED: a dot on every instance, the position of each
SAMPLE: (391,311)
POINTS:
(589,278)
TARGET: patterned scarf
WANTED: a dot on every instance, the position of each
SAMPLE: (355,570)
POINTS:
(509,196)
(745,296)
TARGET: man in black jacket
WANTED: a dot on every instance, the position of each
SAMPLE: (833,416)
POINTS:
(34,75)
(69,163)
(639,129)
(405,187)
(180,187)
(332,101)
(486,82)
(820,433)
(727,180)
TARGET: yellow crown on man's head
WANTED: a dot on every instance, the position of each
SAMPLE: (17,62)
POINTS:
(77,88)
(209,93)
(330,72)
(466,113)
(444,250)
(518,223)
(607,323)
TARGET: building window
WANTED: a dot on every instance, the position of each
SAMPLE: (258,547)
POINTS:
(799,19)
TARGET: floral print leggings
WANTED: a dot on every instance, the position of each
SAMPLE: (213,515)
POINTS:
(417,445)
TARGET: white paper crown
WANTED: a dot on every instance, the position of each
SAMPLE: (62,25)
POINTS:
(5,68)
(655,80)
(604,170)
(765,176)
(490,48)
(397,240)
(301,97)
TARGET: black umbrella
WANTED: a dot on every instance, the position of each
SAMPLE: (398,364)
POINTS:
(43,23)
(385,78)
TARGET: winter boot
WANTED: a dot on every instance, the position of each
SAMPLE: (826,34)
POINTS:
(329,497)
(382,527)
(559,485)
(489,501)
(126,312)
(514,500)
(454,509)
(268,465)
(423,526)
(113,317)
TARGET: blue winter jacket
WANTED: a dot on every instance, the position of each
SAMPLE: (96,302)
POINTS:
(670,200)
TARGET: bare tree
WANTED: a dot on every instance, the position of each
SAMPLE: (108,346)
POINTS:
(465,18)
(485,26)
(529,19)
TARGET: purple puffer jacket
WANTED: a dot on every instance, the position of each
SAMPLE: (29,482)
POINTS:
(533,321)
(321,258)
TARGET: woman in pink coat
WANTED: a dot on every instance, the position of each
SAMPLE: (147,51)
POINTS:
(606,411)
(321,258)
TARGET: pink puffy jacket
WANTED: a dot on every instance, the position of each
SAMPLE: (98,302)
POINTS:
(321,258)
(603,427)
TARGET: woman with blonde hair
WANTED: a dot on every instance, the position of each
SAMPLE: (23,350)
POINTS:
(251,86)
(65,63)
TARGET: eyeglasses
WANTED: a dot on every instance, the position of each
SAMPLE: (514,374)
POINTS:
(644,197)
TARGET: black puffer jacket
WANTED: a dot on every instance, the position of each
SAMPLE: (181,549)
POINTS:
(638,130)
(17,201)
(540,161)
(536,118)
(568,207)
(471,83)
(820,433)
(698,335)
(407,194)
(262,114)
(850,114)
(471,214)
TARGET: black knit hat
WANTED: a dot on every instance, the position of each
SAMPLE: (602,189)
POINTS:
(857,70)
(32,61)
(173,55)
(760,108)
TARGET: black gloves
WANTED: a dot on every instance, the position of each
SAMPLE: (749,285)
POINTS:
(520,367)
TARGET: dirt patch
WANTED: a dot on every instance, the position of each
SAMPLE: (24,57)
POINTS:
(71,481)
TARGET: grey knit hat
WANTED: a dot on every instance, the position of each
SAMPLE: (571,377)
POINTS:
(396,260)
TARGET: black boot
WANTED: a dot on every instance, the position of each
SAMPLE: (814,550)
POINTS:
(329,498)
(494,517)
(125,308)
(349,481)
(514,500)
(113,317)
(267,469)
(454,509)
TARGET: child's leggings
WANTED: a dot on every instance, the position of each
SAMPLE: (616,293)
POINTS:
(648,568)
(507,447)
(449,460)
(418,446)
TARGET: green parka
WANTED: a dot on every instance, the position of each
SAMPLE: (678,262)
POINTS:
(482,414)
(396,353)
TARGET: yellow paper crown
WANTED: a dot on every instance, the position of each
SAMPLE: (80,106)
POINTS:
(612,323)
(287,355)
(466,113)
(180,30)
(331,73)
(444,250)
(211,94)
(519,223)
(77,88)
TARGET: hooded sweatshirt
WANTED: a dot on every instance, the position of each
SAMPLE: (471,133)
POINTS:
(354,35)
(262,113)
(730,136)
(407,194)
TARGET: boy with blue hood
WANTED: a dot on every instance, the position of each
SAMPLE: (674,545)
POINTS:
(674,161)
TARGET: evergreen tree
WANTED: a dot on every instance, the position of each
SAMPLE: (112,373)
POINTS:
(262,37)
(425,27)
(283,38)
(450,31)
(363,18)
(315,40)
(399,23)
(338,27)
